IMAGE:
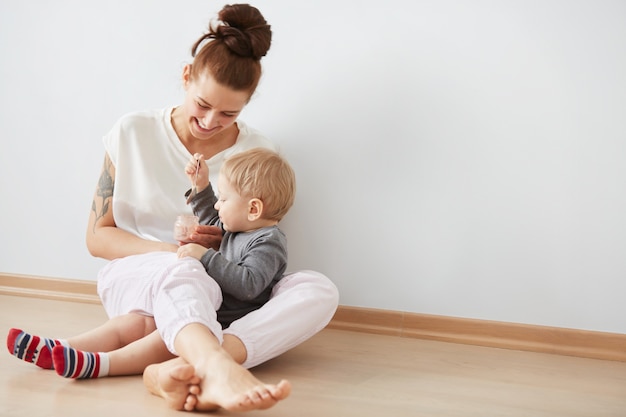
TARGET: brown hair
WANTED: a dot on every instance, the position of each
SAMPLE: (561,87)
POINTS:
(263,174)
(237,42)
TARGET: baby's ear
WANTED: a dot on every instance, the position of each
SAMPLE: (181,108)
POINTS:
(255,209)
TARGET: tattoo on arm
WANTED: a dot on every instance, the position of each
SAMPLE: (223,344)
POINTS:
(104,191)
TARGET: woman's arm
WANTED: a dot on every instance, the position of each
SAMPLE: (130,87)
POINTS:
(104,238)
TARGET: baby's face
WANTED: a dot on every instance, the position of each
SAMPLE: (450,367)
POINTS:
(232,207)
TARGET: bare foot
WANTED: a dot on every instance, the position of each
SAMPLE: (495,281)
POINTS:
(228,385)
(175,382)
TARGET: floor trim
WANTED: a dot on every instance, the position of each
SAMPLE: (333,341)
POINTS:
(49,288)
(533,338)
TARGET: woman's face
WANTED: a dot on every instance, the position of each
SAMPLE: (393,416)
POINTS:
(210,108)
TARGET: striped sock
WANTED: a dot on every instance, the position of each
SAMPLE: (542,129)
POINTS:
(31,348)
(74,363)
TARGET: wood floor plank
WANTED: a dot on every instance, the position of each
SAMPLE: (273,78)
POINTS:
(336,373)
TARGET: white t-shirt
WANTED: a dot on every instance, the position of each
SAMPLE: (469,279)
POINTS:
(150,181)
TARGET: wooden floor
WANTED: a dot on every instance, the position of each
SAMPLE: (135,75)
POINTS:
(337,373)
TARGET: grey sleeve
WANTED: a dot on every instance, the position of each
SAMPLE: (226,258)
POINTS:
(203,206)
(248,263)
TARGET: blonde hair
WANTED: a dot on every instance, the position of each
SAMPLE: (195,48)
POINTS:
(263,174)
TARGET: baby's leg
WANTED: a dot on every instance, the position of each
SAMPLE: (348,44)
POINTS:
(135,357)
(115,333)
(131,359)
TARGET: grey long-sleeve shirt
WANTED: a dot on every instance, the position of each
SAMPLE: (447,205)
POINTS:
(246,267)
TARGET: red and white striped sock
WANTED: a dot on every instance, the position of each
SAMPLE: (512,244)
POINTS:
(31,348)
(74,363)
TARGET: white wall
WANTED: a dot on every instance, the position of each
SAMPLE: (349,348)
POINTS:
(461,158)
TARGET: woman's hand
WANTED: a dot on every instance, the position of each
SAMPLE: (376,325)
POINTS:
(207,236)
(199,179)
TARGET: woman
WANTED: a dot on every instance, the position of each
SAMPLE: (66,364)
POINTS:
(138,199)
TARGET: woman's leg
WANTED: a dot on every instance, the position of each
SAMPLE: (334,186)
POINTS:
(178,292)
(185,295)
(185,308)
(302,304)
(223,382)
(303,297)
(124,285)
(175,381)
(128,284)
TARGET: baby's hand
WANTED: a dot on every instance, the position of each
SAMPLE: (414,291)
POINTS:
(201,179)
(191,249)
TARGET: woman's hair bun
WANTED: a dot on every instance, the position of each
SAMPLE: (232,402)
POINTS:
(243,30)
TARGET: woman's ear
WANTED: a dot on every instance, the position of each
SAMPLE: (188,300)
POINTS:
(186,75)
(255,209)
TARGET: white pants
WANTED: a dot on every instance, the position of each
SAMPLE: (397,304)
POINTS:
(177,292)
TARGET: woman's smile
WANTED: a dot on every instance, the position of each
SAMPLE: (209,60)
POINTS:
(205,130)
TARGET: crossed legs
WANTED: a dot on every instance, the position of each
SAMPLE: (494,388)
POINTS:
(275,328)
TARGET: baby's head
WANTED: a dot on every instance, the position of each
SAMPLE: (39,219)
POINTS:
(264,175)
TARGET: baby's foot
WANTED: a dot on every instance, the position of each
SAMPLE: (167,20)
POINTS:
(31,348)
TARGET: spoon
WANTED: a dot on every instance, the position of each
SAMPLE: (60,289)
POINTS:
(194,188)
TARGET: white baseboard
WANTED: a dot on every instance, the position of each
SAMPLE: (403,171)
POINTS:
(570,342)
